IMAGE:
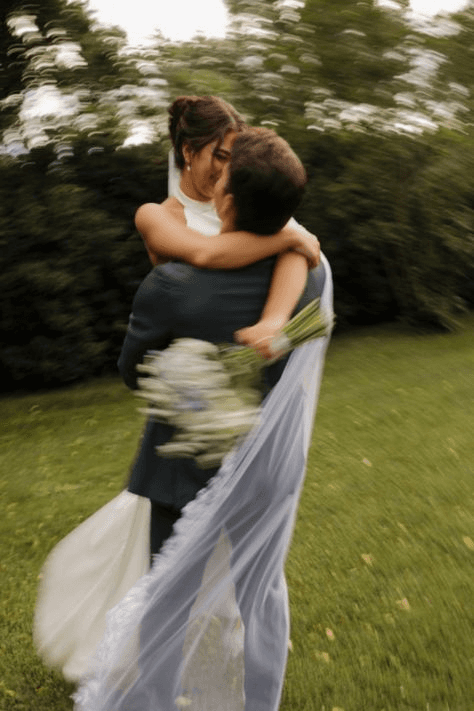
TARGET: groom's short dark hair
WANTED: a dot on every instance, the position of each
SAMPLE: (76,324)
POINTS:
(267,180)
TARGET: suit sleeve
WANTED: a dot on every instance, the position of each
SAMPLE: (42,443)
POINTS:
(149,326)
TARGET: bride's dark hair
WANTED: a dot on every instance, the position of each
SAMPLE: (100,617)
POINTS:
(199,120)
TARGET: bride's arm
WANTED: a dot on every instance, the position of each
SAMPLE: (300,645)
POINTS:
(165,235)
(288,283)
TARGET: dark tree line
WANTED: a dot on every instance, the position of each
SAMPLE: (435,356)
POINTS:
(380,112)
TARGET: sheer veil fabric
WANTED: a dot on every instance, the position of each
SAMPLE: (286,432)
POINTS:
(207,627)
(175,640)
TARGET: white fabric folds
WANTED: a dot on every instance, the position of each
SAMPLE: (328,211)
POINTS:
(207,627)
(85,575)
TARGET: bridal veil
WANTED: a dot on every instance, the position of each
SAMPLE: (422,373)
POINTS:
(207,627)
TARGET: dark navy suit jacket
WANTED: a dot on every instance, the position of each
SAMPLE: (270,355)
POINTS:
(176,300)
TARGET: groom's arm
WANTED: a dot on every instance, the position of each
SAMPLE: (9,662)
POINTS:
(149,327)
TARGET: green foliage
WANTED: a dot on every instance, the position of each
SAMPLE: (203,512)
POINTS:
(70,262)
(70,259)
(339,80)
(394,215)
(352,43)
(442,209)
(308,69)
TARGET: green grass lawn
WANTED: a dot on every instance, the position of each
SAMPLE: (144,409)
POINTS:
(380,569)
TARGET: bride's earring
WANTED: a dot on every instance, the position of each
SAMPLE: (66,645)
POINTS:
(188,166)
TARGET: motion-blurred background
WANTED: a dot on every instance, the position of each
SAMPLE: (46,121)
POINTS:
(377,101)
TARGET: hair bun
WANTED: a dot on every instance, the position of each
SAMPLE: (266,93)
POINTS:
(180,105)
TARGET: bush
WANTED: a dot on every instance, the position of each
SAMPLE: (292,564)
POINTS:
(395,218)
(70,263)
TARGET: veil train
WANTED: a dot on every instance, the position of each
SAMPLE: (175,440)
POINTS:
(207,627)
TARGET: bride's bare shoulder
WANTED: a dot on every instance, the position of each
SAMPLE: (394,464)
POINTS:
(172,205)
(155,212)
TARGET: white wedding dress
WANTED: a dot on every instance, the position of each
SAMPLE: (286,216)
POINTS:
(93,567)
(207,627)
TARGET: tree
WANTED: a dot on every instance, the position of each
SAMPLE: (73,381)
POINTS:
(306,63)
(70,259)
(84,73)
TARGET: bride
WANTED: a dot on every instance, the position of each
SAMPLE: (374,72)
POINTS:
(183,624)
(196,165)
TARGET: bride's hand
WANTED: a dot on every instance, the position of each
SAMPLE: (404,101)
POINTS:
(260,337)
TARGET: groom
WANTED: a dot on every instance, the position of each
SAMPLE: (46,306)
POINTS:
(258,191)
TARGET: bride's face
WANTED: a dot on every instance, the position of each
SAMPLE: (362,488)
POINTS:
(206,167)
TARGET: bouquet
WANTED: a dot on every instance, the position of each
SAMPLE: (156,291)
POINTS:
(210,393)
